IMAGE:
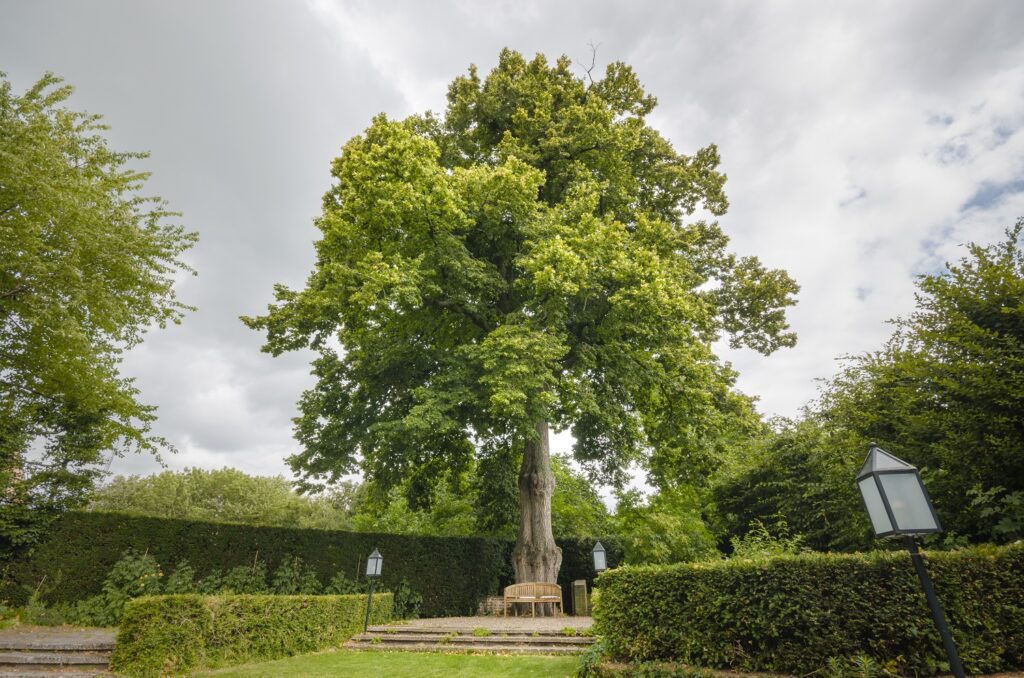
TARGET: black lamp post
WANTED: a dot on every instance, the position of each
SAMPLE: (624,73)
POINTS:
(898,505)
(600,558)
(374,565)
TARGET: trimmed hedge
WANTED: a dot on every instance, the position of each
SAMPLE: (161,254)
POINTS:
(453,574)
(791,614)
(161,635)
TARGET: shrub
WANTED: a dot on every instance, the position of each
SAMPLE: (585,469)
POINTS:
(181,580)
(171,635)
(246,579)
(451,574)
(792,613)
(36,612)
(342,585)
(295,577)
(134,575)
(758,542)
(407,601)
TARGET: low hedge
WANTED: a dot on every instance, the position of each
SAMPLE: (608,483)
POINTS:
(453,574)
(791,614)
(170,635)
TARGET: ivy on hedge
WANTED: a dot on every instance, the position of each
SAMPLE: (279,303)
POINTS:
(792,613)
(171,635)
(453,574)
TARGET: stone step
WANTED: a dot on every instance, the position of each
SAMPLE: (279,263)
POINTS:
(447,639)
(464,631)
(52,645)
(482,648)
(33,658)
(59,671)
(68,664)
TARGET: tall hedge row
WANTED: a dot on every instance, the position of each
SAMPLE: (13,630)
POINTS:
(451,573)
(791,614)
(171,635)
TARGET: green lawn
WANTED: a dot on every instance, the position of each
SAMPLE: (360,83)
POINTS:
(398,664)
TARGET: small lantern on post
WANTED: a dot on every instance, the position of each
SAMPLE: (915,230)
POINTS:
(898,505)
(600,558)
(374,566)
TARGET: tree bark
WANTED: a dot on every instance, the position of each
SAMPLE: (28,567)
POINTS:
(536,558)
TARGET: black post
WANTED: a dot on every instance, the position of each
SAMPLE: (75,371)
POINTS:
(369,603)
(955,667)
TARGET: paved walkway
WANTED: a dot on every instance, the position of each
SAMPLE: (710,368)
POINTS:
(500,624)
(501,635)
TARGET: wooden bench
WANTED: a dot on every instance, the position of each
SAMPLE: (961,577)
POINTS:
(533,593)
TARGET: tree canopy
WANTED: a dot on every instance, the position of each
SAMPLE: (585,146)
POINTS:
(88,265)
(524,260)
(225,495)
(944,392)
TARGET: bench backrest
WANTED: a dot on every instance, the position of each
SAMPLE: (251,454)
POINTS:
(533,589)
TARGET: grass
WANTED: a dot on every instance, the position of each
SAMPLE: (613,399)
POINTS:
(398,664)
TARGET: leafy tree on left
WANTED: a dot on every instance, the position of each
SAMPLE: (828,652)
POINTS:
(87,265)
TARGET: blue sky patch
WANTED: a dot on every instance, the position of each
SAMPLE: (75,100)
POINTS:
(989,193)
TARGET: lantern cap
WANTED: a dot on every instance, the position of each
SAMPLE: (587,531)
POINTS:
(599,547)
(880,460)
(375,554)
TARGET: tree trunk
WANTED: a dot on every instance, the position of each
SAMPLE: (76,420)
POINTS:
(536,558)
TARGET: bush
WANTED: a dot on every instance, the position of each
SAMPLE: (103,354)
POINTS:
(793,613)
(295,577)
(451,574)
(161,635)
(407,601)
(135,575)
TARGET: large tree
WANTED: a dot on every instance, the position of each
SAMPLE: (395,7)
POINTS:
(522,263)
(87,265)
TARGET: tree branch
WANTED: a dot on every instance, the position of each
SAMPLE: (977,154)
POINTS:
(593,61)
(14,291)
(469,314)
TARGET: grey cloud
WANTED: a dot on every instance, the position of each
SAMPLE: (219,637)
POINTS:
(899,113)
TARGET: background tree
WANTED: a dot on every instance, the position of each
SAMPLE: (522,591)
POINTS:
(520,264)
(795,478)
(87,265)
(668,527)
(226,495)
(946,392)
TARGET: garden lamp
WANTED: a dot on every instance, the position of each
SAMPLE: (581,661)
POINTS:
(600,558)
(374,565)
(895,497)
(898,505)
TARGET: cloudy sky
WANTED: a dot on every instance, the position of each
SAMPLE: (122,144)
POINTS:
(864,144)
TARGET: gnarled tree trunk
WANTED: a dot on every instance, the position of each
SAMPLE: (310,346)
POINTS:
(536,558)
